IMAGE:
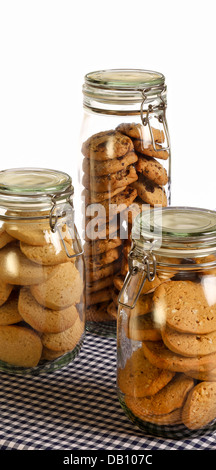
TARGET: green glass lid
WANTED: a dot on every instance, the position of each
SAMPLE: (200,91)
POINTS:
(129,79)
(33,181)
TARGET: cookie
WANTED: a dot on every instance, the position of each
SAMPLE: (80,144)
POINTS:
(98,247)
(44,319)
(34,233)
(184,307)
(95,168)
(134,210)
(158,354)
(19,270)
(142,328)
(138,131)
(200,406)
(143,305)
(115,205)
(98,296)
(19,346)
(118,281)
(187,344)
(48,255)
(50,355)
(99,285)
(174,417)
(150,192)
(9,313)
(107,145)
(139,378)
(112,310)
(98,312)
(92,197)
(168,399)
(65,340)
(112,181)
(100,231)
(104,271)
(158,152)
(62,290)
(209,375)
(97,262)
(152,169)
(5,290)
(5,238)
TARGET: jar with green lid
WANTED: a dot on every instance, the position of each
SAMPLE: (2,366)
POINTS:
(42,288)
(125,165)
(166,333)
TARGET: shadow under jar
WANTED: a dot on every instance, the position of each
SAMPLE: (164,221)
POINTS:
(125,168)
(166,332)
(42,302)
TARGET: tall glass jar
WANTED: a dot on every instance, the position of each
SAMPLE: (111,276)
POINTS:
(42,288)
(125,165)
(166,371)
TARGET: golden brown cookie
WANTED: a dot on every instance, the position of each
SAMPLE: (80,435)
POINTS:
(208,375)
(184,307)
(99,231)
(48,255)
(102,295)
(115,205)
(19,270)
(44,319)
(149,150)
(166,400)
(174,417)
(50,355)
(200,406)
(138,131)
(5,290)
(92,197)
(95,168)
(143,305)
(188,344)
(150,192)
(19,346)
(62,290)
(96,262)
(5,238)
(9,313)
(112,310)
(158,354)
(34,233)
(95,286)
(142,328)
(107,145)
(139,378)
(65,340)
(104,271)
(98,247)
(152,169)
(98,312)
(110,182)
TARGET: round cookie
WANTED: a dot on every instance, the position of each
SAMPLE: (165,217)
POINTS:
(99,261)
(5,238)
(19,270)
(184,307)
(49,355)
(138,131)
(143,305)
(110,231)
(99,285)
(208,375)
(104,271)
(34,233)
(110,182)
(188,344)
(166,400)
(98,296)
(158,354)
(98,312)
(115,205)
(112,310)
(48,255)
(95,248)
(200,406)
(149,150)
(95,168)
(19,346)
(44,319)
(9,313)
(139,378)
(174,417)
(150,192)
(152,169)
(62,290)
(91,197)
(5,290)
(65,340)
(142,328)
(107,145)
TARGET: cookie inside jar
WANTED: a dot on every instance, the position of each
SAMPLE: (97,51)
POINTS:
(42,304)
(125,169)
(166,336)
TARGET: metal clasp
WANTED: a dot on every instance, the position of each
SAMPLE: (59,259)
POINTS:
(160,111)
(140,267)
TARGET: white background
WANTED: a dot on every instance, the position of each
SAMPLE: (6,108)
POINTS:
(46,47)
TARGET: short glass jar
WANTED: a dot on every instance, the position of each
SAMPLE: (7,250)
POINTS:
(166,335)
(42,288)
(125,164)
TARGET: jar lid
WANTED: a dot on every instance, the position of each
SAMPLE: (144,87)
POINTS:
(176,230)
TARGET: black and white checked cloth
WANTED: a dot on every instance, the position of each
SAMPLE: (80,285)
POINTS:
(77,408)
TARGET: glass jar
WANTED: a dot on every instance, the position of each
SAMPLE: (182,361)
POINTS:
(125,165)
(166,339)
(42,302)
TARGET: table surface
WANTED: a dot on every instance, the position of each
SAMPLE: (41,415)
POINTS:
(77,408)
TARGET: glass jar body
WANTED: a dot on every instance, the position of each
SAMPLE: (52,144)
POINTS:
(120,174)
(42,303)
(167,349)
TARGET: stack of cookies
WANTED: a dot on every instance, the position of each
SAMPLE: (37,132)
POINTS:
(122,176)
(41,309)
(171,377)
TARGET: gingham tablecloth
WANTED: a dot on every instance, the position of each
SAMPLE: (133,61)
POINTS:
(77,408)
